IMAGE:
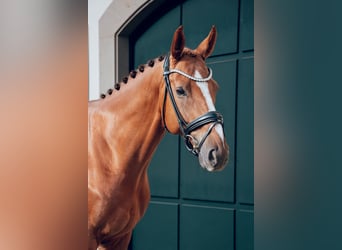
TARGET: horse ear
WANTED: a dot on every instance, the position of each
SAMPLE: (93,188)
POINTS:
(206,47)
(178,43)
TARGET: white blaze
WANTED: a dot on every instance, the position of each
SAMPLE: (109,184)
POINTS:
(205,91)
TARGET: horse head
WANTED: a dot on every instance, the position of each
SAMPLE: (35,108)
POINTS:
(189,106)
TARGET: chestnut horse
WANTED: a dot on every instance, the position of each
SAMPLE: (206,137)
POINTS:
(174,93)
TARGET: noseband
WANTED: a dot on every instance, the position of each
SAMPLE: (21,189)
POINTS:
(213,117)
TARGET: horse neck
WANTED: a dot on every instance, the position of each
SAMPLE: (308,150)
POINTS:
(133,120)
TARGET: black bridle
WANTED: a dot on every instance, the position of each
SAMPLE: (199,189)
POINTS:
(213,117)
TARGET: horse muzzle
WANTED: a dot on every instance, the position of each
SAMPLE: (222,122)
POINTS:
(214,158)
(214,153)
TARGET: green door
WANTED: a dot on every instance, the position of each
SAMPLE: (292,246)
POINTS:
(192,209)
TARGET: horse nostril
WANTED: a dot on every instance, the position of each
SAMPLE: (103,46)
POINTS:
(213,156)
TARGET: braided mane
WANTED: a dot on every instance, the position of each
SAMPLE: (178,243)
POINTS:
(132,75)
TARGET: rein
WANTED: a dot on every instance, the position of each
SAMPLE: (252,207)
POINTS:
(213,117)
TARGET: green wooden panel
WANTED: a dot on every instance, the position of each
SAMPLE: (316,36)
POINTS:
(244,230)
(204,228)
(245,133)
(200,15)
(163,171)
(247,25)
(157,39)
(197,183)
(158,228)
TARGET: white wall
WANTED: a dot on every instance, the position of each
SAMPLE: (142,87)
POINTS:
(96,8)
(105,19)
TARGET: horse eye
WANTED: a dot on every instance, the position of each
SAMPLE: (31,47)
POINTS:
(180,91)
